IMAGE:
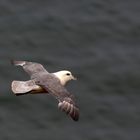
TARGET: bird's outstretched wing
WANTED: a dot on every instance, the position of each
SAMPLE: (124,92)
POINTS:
(66,100)
(31,68)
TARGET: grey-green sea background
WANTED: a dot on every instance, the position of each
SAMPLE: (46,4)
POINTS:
(99,41)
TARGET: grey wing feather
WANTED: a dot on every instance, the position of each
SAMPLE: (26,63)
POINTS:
(31,68)
(66,100)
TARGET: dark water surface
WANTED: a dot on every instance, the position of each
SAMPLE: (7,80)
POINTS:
(99,41)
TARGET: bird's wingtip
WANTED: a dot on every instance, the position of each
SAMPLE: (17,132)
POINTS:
(70,110)
(12,61)
(17,63)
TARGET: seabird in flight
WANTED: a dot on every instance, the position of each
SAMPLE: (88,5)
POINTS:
(44,82)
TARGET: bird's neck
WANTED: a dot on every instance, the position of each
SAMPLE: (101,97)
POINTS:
(62,80)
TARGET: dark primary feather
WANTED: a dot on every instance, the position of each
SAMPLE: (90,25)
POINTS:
(69,108)
(66,100)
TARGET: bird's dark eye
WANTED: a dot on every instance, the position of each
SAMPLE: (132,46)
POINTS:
(68,74)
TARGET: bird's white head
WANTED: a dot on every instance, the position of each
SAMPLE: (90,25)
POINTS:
(64,76)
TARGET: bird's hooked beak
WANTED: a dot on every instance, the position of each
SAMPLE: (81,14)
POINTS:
(74,78)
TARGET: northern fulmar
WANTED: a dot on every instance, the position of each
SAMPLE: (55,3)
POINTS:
(44,82)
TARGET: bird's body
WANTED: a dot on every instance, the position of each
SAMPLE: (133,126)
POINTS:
(44,82)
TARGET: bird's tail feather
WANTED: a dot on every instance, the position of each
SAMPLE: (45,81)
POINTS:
(25,87)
